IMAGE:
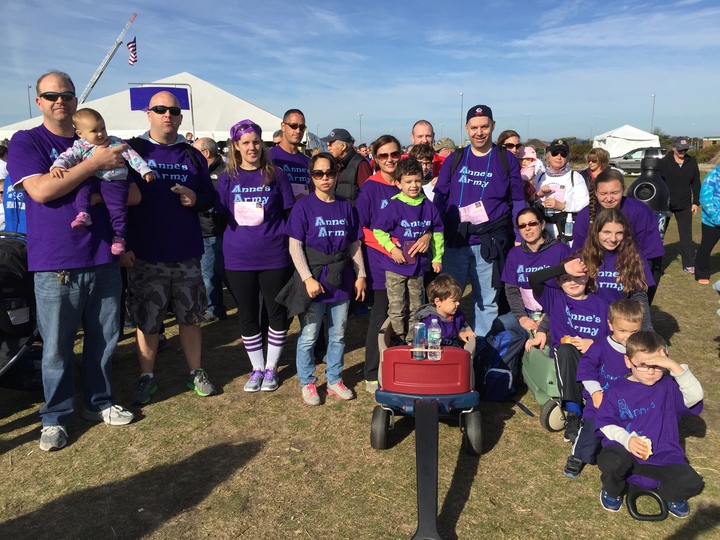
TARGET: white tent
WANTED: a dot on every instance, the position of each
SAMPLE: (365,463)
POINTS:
(214,111)
(622,140)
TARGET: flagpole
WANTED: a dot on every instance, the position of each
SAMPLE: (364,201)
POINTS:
(105,62)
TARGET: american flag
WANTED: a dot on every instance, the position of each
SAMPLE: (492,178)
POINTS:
(132,47)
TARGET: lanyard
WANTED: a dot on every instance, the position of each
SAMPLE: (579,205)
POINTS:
(464,164)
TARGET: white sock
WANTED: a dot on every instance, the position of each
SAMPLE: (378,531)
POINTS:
(276,341)
(254,348)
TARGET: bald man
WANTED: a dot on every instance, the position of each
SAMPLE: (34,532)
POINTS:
(165,245)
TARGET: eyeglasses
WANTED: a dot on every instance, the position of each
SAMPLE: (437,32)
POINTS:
(521,226)
(301,127)
(162,109)
(645,367)
(317,174)
(426,163)
(511,146)
(384,156)
(562,153)
(53,96)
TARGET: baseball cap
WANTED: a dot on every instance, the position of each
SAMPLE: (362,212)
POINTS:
(445,142)
(558,144)
(478,110)
(681,143)
(339,134)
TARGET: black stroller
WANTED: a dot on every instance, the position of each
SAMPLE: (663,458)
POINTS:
(20,356)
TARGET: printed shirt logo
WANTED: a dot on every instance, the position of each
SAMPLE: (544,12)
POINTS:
(250,194)
(330,227)
(165,170)
(581,323)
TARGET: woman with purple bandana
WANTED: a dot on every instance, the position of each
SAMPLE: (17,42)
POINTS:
(256,195)
(325,237)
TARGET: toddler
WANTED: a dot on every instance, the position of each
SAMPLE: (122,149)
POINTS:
(444,294)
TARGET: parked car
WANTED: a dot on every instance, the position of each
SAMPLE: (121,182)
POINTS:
(630,162)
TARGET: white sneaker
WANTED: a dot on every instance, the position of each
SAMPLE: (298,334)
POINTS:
(114,415)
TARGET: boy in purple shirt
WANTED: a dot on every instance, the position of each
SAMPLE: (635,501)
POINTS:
(408,216)
(90,127)
(638,418)
(444,293)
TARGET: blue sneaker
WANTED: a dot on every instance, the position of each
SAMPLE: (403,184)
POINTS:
(255,381)
(680,509)
(611,504)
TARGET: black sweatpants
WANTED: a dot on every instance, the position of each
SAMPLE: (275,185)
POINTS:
(684,217)
(710,237)
(378,314)
(678,482)
(246,288)
(567,358)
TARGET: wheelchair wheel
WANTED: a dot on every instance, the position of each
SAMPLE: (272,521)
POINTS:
(552,417)
(472,435)
(379,428)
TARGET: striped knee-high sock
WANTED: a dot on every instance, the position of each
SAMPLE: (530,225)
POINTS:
(254,348)
(276,341)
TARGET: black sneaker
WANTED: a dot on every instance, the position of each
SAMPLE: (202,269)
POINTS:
(573,467)
(145,388)
(572,426)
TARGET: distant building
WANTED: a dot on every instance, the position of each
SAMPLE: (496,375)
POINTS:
(710,141)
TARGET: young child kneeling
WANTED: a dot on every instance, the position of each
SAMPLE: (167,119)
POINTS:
(408,216)
(444,294)
(638,418)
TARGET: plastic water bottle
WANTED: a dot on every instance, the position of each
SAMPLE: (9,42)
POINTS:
(434,341)
(419,341)
(569,227)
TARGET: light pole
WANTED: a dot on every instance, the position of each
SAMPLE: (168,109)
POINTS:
(461,120)
(360,115)
(317,129)
(652,118)
(527,134)
(29,100)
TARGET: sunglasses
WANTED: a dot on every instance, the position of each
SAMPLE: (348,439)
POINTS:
(556,153)
(53,96)
(301,127)
(592,160)
(510,145)
(317,174)
(521,226)
(162,109)
(682,151)
(384,156)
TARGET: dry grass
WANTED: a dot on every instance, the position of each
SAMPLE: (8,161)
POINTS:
(264,466)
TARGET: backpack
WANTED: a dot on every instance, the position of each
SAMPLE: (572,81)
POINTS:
(497,364)
(458,155)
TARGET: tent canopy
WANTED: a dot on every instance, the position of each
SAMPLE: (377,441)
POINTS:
(622,140)
(214,111)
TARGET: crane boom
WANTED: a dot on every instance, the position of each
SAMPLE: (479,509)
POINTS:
(105,62)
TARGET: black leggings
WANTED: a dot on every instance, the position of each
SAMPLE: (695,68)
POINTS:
(567,358)
(379,313)
(710,237)
(246,288)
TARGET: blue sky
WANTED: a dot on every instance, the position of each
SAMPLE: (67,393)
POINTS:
(576,67)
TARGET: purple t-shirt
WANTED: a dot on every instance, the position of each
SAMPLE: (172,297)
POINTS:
(160,228)
(451,327)
(604,362)
(572,317)
(255,247)
(650,411)
(644,224)
(327,227)
(295,167)
(608,287)
(373,198)
(52,243)
(479,178)
(520,263)
(408,223)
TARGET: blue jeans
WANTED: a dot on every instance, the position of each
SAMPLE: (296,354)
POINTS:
(91,298)
(213,271)
(465,263)
(310,323)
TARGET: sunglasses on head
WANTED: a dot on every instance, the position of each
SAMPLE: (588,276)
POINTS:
(317,174)
(162,109)
(562,153)
(53,96)
(511,146)
(301,127)
(521,226)
(384,156)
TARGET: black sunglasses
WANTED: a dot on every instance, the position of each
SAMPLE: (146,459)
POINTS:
(510,145)
(562,153)
(384,156)
(521,226)
(301,127)
(317,174)
(53,96)
(162,109)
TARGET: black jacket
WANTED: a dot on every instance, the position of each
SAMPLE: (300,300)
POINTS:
(684,182)
(213,223)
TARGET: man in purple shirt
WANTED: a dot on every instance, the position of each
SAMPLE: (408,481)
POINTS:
(77,279)
(475,196)
(287,156)
(165,245)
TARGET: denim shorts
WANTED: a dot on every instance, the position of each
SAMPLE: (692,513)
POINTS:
(153,285)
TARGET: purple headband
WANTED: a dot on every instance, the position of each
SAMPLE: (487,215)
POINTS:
(242,127)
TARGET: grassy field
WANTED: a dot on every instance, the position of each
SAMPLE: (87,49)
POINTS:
(253,466)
